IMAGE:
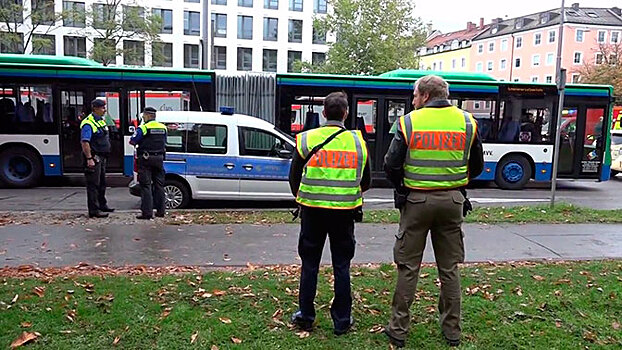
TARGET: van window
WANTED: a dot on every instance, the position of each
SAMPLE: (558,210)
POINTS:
(175,138)
(260,143)
(206,138)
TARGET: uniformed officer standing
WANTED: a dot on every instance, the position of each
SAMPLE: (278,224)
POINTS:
(151,140)
(328,185)
(435,152)
(96,149)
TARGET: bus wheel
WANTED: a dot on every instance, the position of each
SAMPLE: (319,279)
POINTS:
(513,173)
(176,194)
(20,167)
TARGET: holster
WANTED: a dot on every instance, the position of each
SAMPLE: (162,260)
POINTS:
(466,206)
(400,197)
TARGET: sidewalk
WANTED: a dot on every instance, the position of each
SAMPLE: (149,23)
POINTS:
(237,245)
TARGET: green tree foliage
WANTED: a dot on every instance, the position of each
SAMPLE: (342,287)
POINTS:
(14,17)
(372,37)
(607,69)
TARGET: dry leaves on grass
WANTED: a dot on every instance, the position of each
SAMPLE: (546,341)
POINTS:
(24,338)
(615,325)
(39,291)
(236,340)
(302,334)
(194,337)
(376,329)
(224,320)
(590,336)
(537,277)
(166,312)
(26,324)
(214,347)
(116,340)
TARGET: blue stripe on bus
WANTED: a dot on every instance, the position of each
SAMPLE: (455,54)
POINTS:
(118,77)
(490,170)
(488,174)
(128,165)
(51,165)
(544,172)
(587,93)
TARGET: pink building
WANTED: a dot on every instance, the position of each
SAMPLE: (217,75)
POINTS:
(525,48)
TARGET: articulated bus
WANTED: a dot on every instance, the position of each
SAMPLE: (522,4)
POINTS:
(516,121)
(44,98)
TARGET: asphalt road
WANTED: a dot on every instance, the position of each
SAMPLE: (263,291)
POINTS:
(67,195)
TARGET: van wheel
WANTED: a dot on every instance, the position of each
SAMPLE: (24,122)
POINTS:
(176,194)
(20,167)
(513,173)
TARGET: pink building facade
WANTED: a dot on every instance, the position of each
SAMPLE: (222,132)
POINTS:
(524,49)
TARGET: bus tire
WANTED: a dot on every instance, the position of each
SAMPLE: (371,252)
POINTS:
(176,194)
(513,172)
(20,167)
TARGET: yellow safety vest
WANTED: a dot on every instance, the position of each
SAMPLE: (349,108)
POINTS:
(332,177)
(439,141)
(95,124)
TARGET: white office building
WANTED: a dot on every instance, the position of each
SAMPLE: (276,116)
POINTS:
(245,35)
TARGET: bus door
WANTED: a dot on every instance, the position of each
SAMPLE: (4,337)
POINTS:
(73,110)
(364,118)
(114,101)
(393,109)
(582,140)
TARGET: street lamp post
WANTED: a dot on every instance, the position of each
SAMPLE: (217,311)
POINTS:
(561,86)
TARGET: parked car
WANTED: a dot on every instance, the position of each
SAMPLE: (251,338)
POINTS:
(220,156)
(616,152)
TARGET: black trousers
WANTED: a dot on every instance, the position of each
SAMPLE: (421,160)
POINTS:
(96,184)
(151,180)
(316,223)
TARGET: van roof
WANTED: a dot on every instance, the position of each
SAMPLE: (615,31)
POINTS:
(212,118)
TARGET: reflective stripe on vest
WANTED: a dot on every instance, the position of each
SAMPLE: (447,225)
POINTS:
(332,178)
(95,124)
(154,137)
(439,141)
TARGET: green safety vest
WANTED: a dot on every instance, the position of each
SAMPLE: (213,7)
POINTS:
(439,141)
(332,177)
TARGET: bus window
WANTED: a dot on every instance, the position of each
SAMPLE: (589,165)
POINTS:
(526,120)
(7,108)
(396,109)
(135,110)
(29,112)
(484,113)
(168,100)
(112,108)
(593,140)
(366,112)
(306,113)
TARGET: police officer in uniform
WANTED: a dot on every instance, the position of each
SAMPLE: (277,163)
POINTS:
(150,137)
(328,186)
(96,149)
(433,155)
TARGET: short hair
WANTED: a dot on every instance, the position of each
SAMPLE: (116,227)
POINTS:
(150,110)
(335,105)
(433,85)
(96,103)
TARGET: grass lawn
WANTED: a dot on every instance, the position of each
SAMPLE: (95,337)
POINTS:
(562,214)
(510,306)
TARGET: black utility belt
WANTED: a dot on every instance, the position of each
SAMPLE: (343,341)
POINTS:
(146,155)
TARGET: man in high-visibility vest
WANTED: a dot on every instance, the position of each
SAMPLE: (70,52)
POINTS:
(328,175)
(434,153)
(150,137)
(96,149)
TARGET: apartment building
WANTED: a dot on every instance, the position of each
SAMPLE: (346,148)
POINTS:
(524,49)
(244,35)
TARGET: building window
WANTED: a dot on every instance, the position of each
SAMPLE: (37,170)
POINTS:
(74,14)
(576,78)
(74,46)
(578,58)
(167,20)
(271,4)
(516,80)
(319,36)
(503,64)
(295,31)
(292,57)
(504,45)
(134,52)
(245,3)
(579,36)
(245,27)
(318,58)
(453,64)
(615,37)
(534,79)
(43,12)
(197,1)
(219,2)
(491,46)
(133,17)
(219,25)
(269,60)
(319,6)
(14,12)
(245,58)
(106,52)
(270,29)
(480,48)
(102,15)
(162,54)
(463,62)
(519,42)
(440,65)
(537,39)
(192,23)
(602,36)
(479,67)
(550,58)
(535,60)
(517,62)
(191,56)
(549,79)
(489,66)
(295,5)
(219,57)
(43,44)
(552,35)
(599,58)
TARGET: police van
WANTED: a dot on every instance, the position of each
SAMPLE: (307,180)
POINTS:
(223,156)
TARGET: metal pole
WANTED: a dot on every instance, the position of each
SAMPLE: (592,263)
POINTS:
(560,77)
(205,34)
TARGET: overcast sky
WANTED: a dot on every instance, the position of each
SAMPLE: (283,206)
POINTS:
(452,15)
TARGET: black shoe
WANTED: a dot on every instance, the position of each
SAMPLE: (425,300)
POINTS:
(346,330)
(452,342)
(107,210)
(98,214)
(144,217)
(159,215)
(400,343)
(301,323)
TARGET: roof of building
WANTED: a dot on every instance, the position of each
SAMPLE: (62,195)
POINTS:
(460,35)
(544,19)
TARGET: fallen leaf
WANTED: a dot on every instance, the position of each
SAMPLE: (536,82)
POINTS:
(430,309)
(219,293)
(236,340)
(277,313)
(66,332)
(509,216)
(214,347)
(193,338)
(165,313)
(26,324)
(302,334)
(116,340)
(39,291)
(224,320)
(615,325)
(376,329)
(24,338)
(15,299)
(424,275)
(558,324)
(590,336)
(538,278)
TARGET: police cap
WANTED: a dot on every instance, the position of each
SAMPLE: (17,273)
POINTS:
(98,103)
(150,110)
